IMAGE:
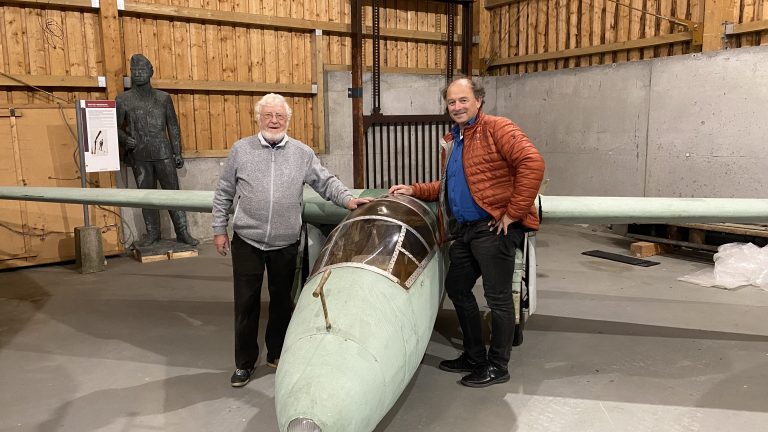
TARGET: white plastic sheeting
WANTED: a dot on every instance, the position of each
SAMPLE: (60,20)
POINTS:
(736,264)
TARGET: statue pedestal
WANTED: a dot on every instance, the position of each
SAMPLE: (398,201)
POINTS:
(163,250)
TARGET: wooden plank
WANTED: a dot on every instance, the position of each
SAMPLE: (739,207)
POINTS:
(20,181)
(318,100)
(421,25)
(650,27)
(68,4)
(598,33)
(335,43)
(610,28)
(573,30)
(522,32)
(401,22)
(386,69)
(94,57)
(53,22)
(17,60)
(679,11)
(199,71)
(218,153)
(533,13)
(622,30)
(213,40)
(243,73)
(552,10)
(165,67)
(664,26)
(35,42)
(635,28)
(541,31)
(640,43)
(213,16)
(111,51)
(749,27)
(715,12)
(764,19)
(185,109)
(561,30)
(16,80)
(585,29)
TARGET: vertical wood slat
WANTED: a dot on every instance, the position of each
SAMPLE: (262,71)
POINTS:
(574,7)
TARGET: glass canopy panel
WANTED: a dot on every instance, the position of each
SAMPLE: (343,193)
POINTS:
(390,234)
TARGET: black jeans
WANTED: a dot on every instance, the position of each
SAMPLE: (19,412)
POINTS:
(248,264)
(478,251)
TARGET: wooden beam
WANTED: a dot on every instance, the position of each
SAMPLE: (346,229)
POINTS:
(576,52)
(747,27)
(490,4)
(715,13)
(64,4)
(231,86)
(48,81)
(112,51)
(318,100)
(218,153)
(393,69)
(200,14)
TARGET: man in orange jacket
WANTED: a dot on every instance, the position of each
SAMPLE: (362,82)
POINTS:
(490,179)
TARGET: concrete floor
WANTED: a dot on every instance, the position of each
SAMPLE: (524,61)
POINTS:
(147,347)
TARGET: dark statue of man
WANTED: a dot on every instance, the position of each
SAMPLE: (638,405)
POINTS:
(150,138)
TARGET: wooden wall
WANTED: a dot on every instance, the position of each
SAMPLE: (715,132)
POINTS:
(537,35)
(216,58)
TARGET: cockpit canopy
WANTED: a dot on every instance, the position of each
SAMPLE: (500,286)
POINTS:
(393,235)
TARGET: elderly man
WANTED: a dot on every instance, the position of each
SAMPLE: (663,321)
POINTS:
(486,193)
(263,179)
(149,133)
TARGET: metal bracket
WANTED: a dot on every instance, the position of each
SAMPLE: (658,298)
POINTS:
(355,92)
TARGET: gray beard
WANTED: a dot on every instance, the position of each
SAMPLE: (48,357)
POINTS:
(273,137)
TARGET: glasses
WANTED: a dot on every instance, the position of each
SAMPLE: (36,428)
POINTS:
(270,116)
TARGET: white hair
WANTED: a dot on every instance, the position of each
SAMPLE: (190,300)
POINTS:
(272,99)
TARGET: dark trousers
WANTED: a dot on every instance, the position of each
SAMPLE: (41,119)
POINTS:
(147,175)
(478,251)
(248,264)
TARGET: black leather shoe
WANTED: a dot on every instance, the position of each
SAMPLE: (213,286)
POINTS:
(460,364)
(485,376)
(241,377)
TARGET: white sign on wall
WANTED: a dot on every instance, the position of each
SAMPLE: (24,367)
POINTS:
(100,137)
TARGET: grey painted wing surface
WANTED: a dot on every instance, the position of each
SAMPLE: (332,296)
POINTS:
(555,209)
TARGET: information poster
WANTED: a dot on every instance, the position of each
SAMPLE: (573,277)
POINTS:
(100,135)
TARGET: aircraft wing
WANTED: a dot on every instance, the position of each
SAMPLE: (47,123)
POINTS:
(554,209)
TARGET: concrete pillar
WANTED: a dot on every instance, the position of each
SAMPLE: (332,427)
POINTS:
(89,251)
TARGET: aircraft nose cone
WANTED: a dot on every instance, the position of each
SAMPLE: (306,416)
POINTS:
(301,424)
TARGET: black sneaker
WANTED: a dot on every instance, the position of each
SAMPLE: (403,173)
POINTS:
(240,377)
(460,364)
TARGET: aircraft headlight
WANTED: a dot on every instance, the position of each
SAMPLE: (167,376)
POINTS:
(302,424)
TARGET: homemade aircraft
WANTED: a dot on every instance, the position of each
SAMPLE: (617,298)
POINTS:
(364,318)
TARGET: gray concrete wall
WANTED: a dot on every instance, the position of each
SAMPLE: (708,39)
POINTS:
(401,94)
(691,126)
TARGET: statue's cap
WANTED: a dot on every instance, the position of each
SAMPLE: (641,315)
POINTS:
(140,60)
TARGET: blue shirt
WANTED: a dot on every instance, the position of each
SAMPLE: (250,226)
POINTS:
(460,201)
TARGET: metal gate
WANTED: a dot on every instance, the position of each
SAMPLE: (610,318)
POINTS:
(403,149)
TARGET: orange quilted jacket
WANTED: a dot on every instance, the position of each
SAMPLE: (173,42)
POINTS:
(503,168)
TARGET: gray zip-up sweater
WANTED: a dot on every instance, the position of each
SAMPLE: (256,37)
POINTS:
(265,185)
